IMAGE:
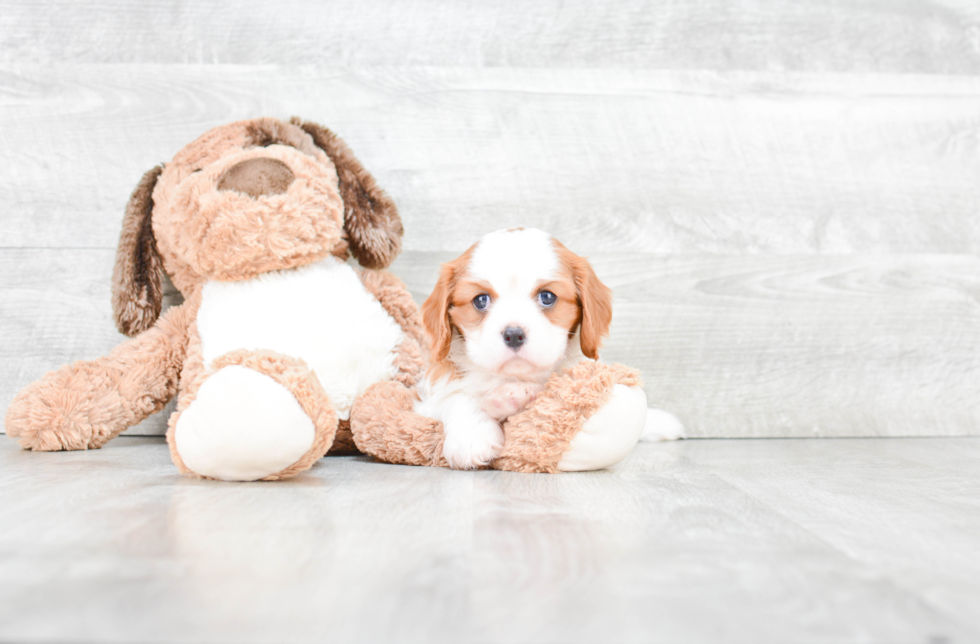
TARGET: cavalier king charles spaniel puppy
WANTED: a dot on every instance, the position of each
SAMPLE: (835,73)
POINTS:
(505,315)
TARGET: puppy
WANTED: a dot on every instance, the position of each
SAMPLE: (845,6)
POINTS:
(504,315)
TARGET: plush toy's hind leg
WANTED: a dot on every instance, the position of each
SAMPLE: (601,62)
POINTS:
(589,417)
(254,415)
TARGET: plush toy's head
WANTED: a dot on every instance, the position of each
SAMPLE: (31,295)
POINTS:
(244,199)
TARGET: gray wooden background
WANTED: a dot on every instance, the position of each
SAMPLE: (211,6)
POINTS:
(784,196)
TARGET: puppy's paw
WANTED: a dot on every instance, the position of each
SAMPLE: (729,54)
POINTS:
(507,400)
(472,445)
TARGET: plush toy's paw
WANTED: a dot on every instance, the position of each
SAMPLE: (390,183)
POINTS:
(72,408)
(507,400)
(242,426)
(261,415)
(473,444)
(385,426)
(609,434)
(588,417)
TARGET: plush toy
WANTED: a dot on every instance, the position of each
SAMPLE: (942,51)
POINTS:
(281,350)
(589,417)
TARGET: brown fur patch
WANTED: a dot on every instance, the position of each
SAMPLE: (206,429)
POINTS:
(374,227)
(343,442)
(462,314)
(257,177)
(594,297)
(137,292)
(436,308)
(269,131)
(566,313)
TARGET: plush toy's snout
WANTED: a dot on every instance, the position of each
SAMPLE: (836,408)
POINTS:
(257,177)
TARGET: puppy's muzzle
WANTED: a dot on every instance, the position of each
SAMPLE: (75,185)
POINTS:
(514,337)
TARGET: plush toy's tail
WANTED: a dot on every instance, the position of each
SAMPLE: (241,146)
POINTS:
(661,426)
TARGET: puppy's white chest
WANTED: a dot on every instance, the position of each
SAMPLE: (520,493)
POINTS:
(320,313)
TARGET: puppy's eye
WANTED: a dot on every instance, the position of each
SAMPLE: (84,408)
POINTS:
(547,298)
(481,302)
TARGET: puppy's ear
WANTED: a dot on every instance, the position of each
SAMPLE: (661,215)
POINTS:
(596,309)
(137,293)
(595,298)
(435,313)
(374,228)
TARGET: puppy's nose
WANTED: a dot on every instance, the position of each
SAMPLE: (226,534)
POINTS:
(257,177)
(514,337)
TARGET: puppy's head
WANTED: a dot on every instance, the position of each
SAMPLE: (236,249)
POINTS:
(517,299)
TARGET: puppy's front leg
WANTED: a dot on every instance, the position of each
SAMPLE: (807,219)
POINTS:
(472,437)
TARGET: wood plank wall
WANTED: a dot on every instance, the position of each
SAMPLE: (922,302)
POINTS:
(783,195)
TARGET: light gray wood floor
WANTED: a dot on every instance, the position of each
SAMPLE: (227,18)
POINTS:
(849,540)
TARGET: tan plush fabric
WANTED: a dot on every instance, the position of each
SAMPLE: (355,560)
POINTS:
(291,373)
(409,360)
(227,235)
(374,227)
(537,437)
(241,200)
(394,297)
(385,426)
(85,404)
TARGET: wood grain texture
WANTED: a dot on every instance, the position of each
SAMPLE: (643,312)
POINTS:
(607,160)
(734,346)
(696,541)
(914,36)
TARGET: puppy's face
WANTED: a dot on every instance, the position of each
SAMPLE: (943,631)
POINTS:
(516,299)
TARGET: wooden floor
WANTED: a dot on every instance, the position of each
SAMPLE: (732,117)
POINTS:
(783,195)
(830,540)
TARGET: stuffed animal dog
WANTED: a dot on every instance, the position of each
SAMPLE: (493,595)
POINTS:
(278,334)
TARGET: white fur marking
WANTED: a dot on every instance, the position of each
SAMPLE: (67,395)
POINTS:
(242,426)
(608,436)
(515,263)
(320,313)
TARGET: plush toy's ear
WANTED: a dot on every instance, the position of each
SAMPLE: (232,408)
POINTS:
(137,293)
(374,228)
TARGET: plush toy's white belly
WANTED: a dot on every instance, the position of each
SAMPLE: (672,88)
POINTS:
(320,313)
